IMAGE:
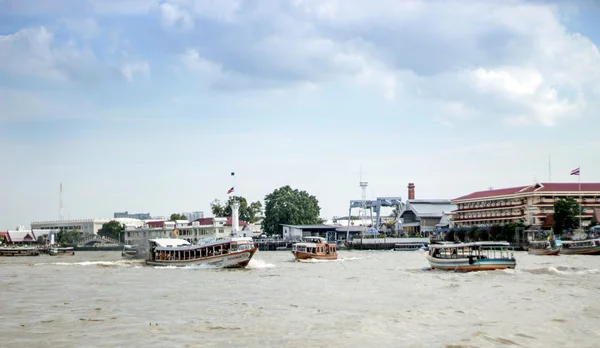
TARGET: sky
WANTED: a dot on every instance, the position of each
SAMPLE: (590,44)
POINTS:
(148,106)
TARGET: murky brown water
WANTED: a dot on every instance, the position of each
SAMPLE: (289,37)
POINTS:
(375,299)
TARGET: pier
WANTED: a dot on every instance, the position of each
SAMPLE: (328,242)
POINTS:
(381,243)
(271,244)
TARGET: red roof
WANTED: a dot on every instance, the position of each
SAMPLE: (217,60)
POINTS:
(492,193)
(540,187)
(155,224)
(211,221)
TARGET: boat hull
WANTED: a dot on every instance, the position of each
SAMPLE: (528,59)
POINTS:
(299,255)
(581,251)
(238,259)
(547,252)
(19,252)
(463,265)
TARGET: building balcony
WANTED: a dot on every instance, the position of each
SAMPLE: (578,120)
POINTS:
(504,217)
(500,207)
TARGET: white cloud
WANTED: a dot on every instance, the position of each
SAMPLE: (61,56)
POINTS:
(87,28)
(130,70)
(208,71)
(510,60)
(35,52)
(173,15)
(32,51)
(221,10)
(78,8)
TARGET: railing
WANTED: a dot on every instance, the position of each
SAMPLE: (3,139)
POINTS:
(99,239)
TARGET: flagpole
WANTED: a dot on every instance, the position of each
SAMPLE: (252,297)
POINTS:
(580,200)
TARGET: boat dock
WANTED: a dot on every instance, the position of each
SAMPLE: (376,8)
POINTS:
(381,243)
(272,244)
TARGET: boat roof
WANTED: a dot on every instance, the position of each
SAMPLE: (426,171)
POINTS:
(468,245)
(170,242)
(580,241)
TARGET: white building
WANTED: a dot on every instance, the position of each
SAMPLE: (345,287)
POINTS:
(84,226)
(219,227)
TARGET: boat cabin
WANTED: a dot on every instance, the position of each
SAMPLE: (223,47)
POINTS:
(314,245)
(180,249)
(588,243)
(478,250)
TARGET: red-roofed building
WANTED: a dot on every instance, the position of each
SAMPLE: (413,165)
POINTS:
(529,204)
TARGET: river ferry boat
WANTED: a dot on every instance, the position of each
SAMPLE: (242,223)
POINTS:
(544,247)
(581,247)
(234,252)
(133,252)
(467,257)
(410,246)
(54,251)
(314,248)
(19,251)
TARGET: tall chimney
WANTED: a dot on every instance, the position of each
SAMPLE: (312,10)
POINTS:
(411,191)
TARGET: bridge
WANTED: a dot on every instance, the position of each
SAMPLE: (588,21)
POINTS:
(92,240)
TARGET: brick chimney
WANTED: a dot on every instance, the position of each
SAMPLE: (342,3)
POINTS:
(411,191)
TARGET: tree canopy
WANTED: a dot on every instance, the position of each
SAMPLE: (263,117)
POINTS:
(288,206)
(111,229)
(176,216)
(67,237)
(247,212)
(565,215)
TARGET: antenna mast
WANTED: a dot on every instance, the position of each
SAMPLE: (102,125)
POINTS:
(363,185)
(60,204)
(549,170)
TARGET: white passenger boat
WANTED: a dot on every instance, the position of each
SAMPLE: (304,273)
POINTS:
(235,252)
(581,247)
(466,257)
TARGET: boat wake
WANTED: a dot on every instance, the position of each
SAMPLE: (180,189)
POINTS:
(253,264)
(562,270)
(118,263)
(258,264)
(341,259)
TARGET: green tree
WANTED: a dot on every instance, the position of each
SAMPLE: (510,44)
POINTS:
(67,237)
(565,215)
(111,229)
(41,240)
(247,212)
(176,216)
(288,206)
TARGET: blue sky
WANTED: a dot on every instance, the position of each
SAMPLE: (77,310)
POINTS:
(147,105)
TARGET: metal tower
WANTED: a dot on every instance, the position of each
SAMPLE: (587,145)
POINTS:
(363,210)
(60,204)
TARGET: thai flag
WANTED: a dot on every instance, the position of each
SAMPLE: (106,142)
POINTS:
(575,171)
(230,190)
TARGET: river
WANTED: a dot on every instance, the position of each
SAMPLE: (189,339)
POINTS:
(366,298)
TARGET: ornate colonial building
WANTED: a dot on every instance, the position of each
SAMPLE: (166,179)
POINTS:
(532,204)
